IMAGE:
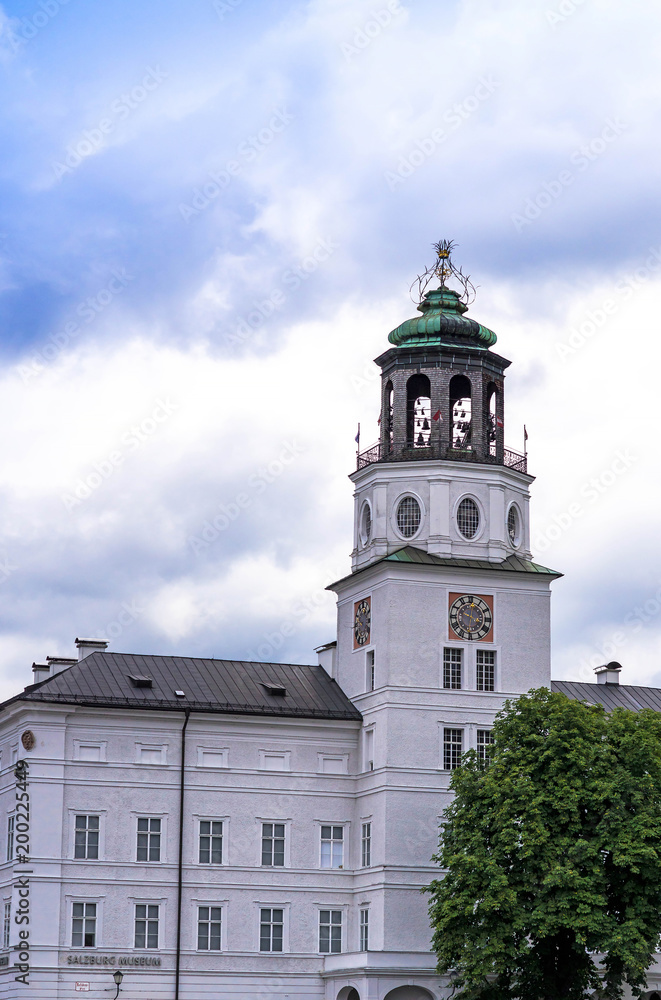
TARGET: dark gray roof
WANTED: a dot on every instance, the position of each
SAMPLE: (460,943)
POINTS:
(411,554)
(611,695)
(233,686)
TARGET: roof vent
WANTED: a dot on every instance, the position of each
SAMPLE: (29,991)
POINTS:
(140,681)
(277,689)
(609,673)
(87,646)
(180,694)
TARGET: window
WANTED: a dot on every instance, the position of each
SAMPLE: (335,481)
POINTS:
(211,842)
(330,932)
(486,670)
(149,839)
(484,741)
(208,928)
(6,926)
(408,516)
(212,758)
(11,820)
(368,747)
(151,755)
(370,669)
(453,740)
(513,525)
(366,845)
(365,524)
(273,844)
(364,930)
(468,518)
(452,668)
(83,925)
(273,761)
(332,847)
(271,924)
(86,838)
(146,925)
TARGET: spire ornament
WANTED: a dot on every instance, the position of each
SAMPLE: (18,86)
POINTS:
(443,269)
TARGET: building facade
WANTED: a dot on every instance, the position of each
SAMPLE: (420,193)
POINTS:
(218,829)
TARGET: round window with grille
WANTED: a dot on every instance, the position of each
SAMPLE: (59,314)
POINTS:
(408,516)
(468,518)
(365,524)
(513,525)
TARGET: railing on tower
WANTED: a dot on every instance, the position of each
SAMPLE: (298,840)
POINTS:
(410,453)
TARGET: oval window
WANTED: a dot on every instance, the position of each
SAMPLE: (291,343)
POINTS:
(365,524)
(468,518)
(408,516)
(513,524)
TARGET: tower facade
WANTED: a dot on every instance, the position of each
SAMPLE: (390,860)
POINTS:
(444,614)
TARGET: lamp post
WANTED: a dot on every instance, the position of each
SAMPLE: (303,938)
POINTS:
(117,976)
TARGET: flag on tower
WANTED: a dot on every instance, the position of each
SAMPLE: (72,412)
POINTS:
(499,421)
(525,433)
(357,437)
(437,415)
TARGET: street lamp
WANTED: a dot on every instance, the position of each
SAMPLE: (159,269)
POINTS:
(117,976)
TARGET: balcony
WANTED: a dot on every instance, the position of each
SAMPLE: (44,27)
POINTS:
(409,453)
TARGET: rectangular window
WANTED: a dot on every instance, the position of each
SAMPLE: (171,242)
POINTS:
(6,926)
(453,740)
(10,836)
(146,925)
(484,741)
(452,668)
(332,847)
(366,845)
(486,670)
(273,844)
(83,925)
(369,750)
(330,932)
(370,670)
(149,839)
(364,930)
(271,925)
(208,928)
(211,842)
(86,838)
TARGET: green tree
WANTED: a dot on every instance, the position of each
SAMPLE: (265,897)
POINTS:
(552,855)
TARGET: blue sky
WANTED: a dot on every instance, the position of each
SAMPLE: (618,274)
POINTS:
(210,215)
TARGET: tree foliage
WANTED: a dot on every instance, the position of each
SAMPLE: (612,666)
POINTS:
(552,853)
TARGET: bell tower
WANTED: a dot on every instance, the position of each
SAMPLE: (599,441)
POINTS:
(444,614)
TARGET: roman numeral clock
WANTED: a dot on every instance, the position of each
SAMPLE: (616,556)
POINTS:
(471,617)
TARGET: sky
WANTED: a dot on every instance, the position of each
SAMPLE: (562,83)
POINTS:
(211,212)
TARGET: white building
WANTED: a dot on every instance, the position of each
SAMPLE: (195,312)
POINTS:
(217,829)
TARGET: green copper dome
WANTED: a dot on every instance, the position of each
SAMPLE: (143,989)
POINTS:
(442,324)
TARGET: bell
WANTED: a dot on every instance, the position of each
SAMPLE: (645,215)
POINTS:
(420,440)
(425,425)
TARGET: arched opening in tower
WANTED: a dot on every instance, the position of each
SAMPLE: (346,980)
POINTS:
(492,420)
(460,411)
(387,417)
(418,412)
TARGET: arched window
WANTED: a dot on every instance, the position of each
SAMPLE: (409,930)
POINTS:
(460,412)
(492,398)
(418,411)
(387,417)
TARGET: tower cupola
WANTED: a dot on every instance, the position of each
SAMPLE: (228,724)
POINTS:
(440,476)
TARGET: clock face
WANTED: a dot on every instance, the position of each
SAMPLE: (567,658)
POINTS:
(470,617)
(362,622)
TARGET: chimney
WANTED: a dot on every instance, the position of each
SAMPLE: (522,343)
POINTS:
(327,656)
(609,673)
(40,671)
(87,646)
(58,663)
